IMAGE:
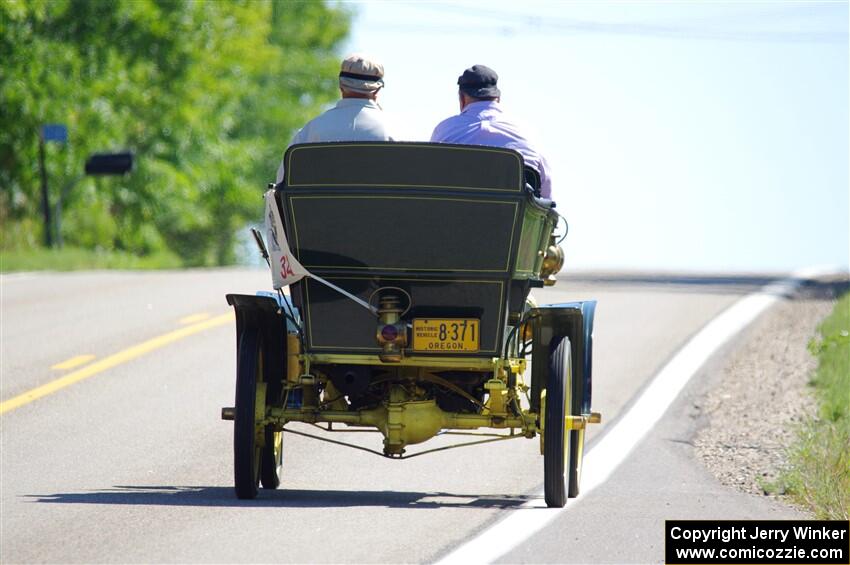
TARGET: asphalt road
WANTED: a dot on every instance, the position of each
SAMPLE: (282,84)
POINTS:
(133,464)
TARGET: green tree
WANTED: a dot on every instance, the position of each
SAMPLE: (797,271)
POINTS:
(206,93)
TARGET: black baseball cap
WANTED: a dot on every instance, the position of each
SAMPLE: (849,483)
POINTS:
(479,81)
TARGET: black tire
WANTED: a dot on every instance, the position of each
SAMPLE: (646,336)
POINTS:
(271,459)
(273,368)
(246,452)
(555,438)
(576,459)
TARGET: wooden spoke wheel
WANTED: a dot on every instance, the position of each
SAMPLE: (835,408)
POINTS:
(576,459)
(271,459)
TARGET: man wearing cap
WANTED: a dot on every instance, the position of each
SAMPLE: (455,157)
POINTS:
(357,116)
(482,122)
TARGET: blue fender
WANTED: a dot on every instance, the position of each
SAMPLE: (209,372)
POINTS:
(575,320)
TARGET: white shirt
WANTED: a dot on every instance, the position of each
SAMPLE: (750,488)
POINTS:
(352,119)
(484,123)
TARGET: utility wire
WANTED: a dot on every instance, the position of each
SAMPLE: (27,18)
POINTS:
(514,23)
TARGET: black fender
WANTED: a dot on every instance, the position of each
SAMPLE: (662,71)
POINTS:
(263,314)
(575,321)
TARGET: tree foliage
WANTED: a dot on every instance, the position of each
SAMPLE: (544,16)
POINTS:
(206,93)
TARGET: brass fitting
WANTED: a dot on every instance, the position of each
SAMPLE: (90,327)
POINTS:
(575,422)
(526,330)
(309,393)
(498,394)
(408,421)
(293,351)
(553,261)
(391,332)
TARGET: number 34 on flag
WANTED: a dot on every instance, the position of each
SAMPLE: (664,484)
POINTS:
(284,266)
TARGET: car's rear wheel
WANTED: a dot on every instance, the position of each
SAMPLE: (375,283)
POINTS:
(555,437)
(576,459)
(271,459)
(246,450)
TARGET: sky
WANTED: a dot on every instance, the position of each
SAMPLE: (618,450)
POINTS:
(702,136)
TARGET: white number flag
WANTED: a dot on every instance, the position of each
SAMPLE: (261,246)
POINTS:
(285,267)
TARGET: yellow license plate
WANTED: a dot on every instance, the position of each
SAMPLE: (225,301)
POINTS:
(446,335)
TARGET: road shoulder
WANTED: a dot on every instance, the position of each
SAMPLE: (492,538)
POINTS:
(760,395)
(664,478)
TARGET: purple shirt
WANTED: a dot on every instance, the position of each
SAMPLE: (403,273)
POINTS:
(484,123)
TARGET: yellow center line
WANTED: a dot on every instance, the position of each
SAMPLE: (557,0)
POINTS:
(72,362)
(194,318)
(112,361)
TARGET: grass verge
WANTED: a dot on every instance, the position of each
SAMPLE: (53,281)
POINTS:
(818,476)
(74,259)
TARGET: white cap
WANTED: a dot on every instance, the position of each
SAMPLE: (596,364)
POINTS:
(361,74)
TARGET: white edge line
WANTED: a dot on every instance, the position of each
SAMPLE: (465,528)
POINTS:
(613,448)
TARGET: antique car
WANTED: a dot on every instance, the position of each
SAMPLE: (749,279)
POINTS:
(416,319)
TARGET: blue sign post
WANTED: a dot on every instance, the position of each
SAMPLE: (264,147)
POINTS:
(59,134)
(96,164)
(54,132)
